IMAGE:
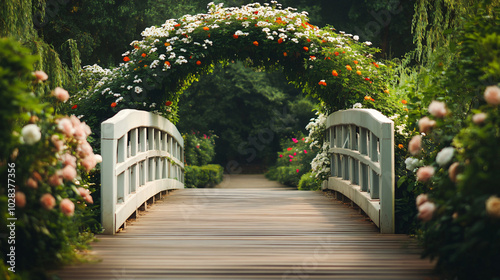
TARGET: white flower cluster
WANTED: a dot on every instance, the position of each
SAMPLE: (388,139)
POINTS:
(320,165)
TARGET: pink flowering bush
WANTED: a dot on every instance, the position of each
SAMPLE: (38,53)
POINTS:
(48,158)
(294,162)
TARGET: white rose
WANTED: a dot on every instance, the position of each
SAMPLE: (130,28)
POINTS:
(445,156)
(411,163)
(31,134)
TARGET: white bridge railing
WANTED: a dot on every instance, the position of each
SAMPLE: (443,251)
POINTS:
(362,162)
(142,155)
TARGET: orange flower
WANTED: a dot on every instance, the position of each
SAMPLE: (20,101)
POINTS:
(334,73)
(74,107)
(386,91)
(167,44)
(289,149)
(404,102)
(308,40)
(280,40)
(322,83)
(367,98)
(126,59)
(358,72)
(368,79)
(206,28)
(323,41)
(401,146)
(256,43)
(136,47)
(113,105)
(235,36)
(198,62)
(143,55)
(168,103)
(285,54)
(355,62)
(178,25)
(376,65)
(337,53)
(167,63)
(145,66)
(348,67)
(306,49)
(312,57)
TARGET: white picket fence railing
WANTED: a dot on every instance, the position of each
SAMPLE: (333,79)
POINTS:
(142,155)
(362,162)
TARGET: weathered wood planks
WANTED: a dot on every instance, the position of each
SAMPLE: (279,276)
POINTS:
(260,233)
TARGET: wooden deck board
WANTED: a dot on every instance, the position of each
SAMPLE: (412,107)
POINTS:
(265,233)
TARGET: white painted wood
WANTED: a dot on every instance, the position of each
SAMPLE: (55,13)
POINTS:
(134,170)
(362,162)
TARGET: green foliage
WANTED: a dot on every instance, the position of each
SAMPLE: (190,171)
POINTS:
(199,149)
(238,104)
(203,176)
(293,162)
(308,182)
(462,232)
(33,163)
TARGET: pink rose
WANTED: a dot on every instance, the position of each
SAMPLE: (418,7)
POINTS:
(86,128)
(492,95)
(61,94)
(453,171)
(80,133)
(421,199)
(69,172)
(426,210)
(58,143)
(56,179)
(20,199)
(425,124)
(65,126)
(89,162)
(68,159)
(41,76)
(32,183)
(83,192)
(89,199)
(84,149)
(415,145)
(479,118)
(425,173)
(48,201)
(36,176)
(67,207)
(75,121)
(438,109)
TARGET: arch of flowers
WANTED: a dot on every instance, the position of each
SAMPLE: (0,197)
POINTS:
(333,67)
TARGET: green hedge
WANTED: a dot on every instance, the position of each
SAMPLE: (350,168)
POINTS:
(203,176)
(308,182)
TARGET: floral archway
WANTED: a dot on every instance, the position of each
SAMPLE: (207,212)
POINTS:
(334,67)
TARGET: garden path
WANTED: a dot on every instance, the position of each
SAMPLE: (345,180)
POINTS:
(251,228)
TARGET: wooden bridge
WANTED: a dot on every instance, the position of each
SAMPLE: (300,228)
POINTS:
(249,227)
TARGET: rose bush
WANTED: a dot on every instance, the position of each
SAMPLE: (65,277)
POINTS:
(47,158)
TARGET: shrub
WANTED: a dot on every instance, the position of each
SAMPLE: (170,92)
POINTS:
(199,149)
(203,176)
(309,182)
(46,161)
(293,161)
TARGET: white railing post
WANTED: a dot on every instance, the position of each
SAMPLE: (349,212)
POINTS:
(362,162)
(108,183)
(134,170)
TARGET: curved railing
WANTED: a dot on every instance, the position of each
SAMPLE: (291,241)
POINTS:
(142,155)
(362,162)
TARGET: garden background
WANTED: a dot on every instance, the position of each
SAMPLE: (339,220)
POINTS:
(438,81)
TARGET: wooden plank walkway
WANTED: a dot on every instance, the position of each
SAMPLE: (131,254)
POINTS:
(252,233)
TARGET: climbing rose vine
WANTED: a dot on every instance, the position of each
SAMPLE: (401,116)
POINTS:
(333,67)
